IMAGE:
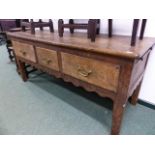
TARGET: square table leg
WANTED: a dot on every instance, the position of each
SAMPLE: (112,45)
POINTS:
(22,70)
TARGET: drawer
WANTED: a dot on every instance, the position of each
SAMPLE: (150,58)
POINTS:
(47,58)
(99,73)
(25,51)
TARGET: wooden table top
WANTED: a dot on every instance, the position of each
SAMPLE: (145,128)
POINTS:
(115,46)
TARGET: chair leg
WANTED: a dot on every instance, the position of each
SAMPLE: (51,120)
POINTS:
(41,28)
(16,62)
(51,25)
(10,56)
(32,27)
(10,52)
(89,30)
(92,29)
(98,28)
(110,27)
(134,32)
(23,28)
(143,29)
(60,27)
(71,21)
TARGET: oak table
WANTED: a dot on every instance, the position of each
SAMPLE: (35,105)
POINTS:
(109,66)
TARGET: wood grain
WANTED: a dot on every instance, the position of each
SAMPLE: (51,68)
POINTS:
(109,66)
(47,58)
(102,74)
(24,50)
(116,46)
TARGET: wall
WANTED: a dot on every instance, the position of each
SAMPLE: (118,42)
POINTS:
(124,27)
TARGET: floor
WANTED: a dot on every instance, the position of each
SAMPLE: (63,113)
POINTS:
(45,105)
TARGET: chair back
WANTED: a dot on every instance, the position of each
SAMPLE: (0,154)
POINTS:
(7,24)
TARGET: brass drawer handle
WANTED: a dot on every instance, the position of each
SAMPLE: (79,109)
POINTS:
(47,61)
(83,72)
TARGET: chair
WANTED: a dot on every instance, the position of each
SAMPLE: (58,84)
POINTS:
(6,25)
(2,39)
(14,26)
(40,24)
(134,29)
(92,27)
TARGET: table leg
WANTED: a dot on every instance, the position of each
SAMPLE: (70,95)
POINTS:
(22,70)
(117,116)
(135,94)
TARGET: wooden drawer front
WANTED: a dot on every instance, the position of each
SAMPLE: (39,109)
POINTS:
(96,72)
(25,51)
(47,58)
